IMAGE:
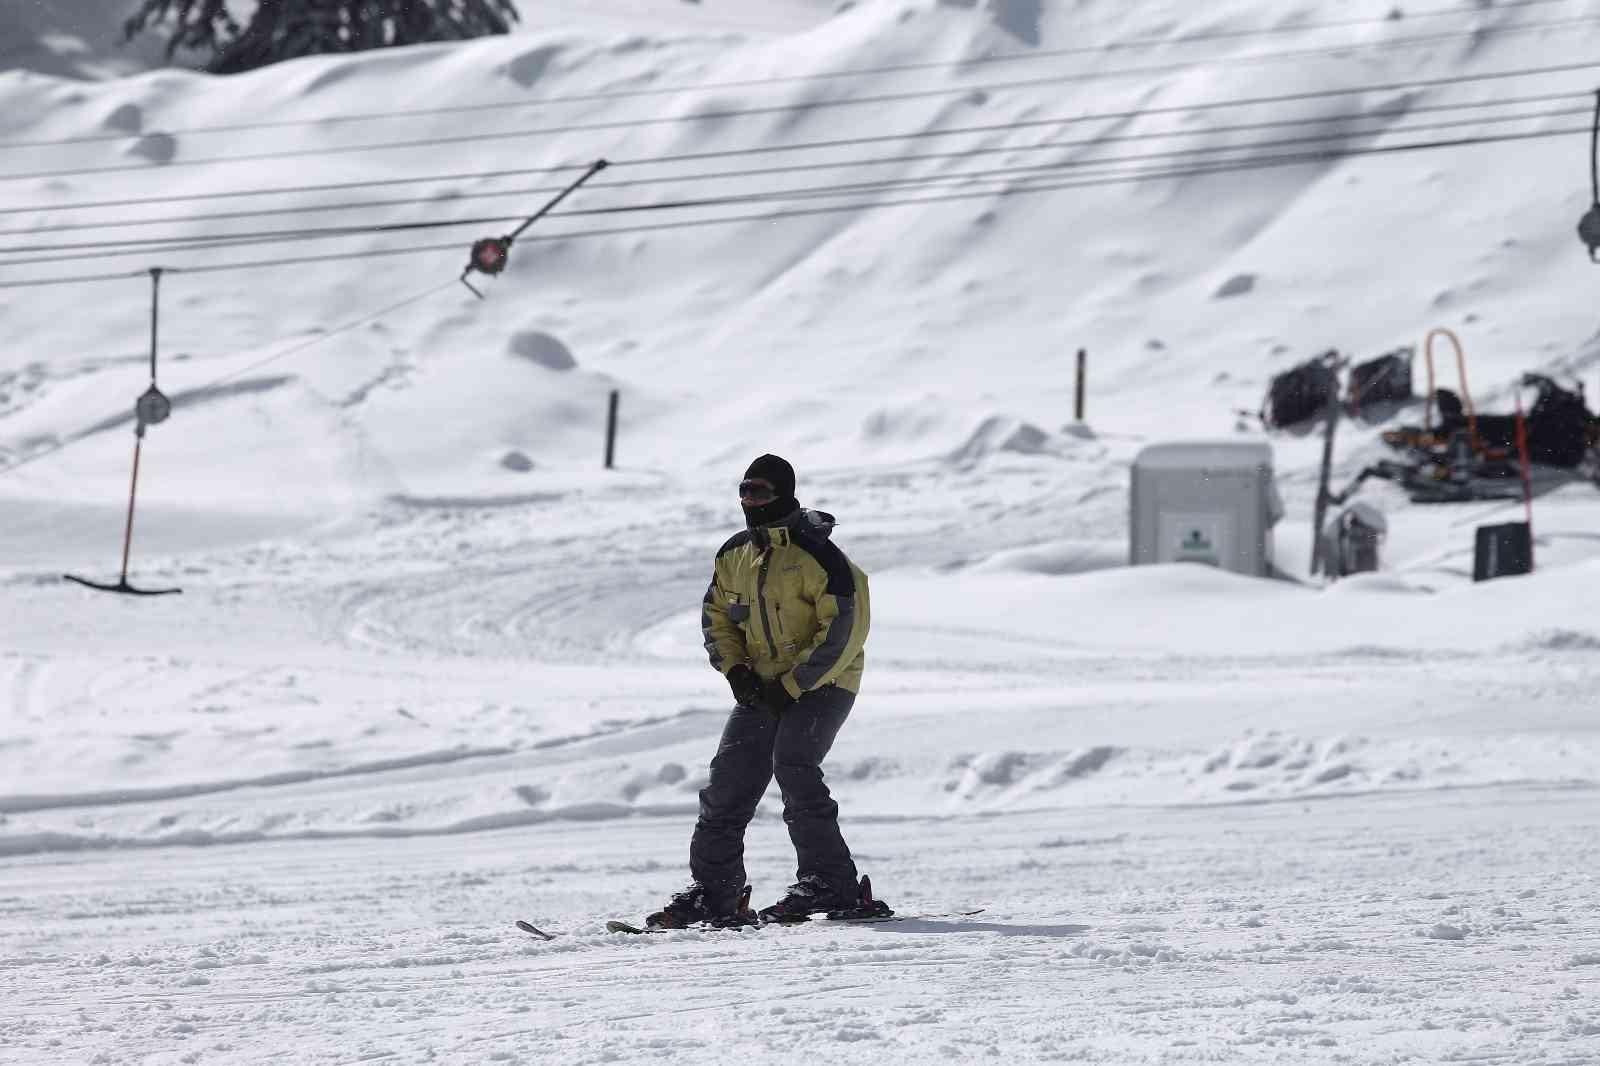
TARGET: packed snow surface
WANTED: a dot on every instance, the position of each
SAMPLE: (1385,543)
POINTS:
(434,670)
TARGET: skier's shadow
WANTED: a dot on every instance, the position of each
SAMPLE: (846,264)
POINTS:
(928,925)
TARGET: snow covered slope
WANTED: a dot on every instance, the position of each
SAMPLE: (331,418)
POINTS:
(433,668)
(83,38)
(916,323)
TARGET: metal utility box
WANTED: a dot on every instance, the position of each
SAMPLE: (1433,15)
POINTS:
(1352,540)
(1209,502)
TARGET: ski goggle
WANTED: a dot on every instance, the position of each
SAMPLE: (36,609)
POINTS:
(757,491)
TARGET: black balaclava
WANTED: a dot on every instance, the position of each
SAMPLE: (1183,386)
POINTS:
(783,504)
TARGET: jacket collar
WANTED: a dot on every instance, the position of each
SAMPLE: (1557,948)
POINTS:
(775,535)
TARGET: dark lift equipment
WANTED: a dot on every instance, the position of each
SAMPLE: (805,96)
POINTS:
(490,255)
(152,408)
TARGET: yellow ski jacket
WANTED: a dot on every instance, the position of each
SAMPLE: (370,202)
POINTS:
(784,599)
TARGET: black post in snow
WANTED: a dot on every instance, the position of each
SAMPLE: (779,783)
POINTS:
(1077,402)
(611,429)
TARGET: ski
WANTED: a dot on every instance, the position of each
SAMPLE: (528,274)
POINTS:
(867,911)
(535,930)
(876,919)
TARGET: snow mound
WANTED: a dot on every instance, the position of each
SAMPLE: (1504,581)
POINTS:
(1559,640)
(1002,434)
(1056,558)
(542,349)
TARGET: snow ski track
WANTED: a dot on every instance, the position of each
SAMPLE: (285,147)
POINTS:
(608,740)
(523,591)
(55,841)
(21,804)
(578,611)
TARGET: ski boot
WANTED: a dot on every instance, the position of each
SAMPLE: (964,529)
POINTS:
(689,907)
(811,895)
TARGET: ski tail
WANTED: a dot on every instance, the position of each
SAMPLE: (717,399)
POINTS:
(534,930)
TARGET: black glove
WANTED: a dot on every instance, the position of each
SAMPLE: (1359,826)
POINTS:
(746,685)
(775,696)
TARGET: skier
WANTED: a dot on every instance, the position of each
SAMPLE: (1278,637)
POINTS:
(785,621)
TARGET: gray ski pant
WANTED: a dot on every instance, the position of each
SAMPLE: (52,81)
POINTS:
(757,745)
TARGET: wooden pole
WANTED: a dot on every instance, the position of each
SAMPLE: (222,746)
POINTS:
(611,429)
(1077,402)
(133,492)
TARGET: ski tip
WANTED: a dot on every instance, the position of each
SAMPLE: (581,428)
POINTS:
(535,930)
(623,927)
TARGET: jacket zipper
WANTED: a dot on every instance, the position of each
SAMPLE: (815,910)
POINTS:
(761,598)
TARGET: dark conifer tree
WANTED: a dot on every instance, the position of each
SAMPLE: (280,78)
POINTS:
(285,29)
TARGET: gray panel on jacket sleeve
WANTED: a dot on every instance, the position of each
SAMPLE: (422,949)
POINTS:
(827,655)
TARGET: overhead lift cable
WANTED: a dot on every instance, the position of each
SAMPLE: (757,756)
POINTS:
(154,407)
(1108,116)
(1031,188)
(773,109)
(750,83)
(318,338)
(486,249)
(844,164)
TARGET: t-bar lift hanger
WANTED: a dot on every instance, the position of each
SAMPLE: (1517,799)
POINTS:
(490,254)
(152,408)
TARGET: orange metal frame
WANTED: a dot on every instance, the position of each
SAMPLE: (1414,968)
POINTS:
(1461,370)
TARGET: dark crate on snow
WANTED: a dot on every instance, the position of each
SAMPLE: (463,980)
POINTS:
(1299,394)
(1502,551)
(1386,378)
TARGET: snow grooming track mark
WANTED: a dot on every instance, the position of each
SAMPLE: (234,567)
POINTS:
(483,606)
(1214,973)
(24,803)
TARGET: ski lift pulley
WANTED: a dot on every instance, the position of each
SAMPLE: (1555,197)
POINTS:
(1589,231)
(152,408)
(490,255)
